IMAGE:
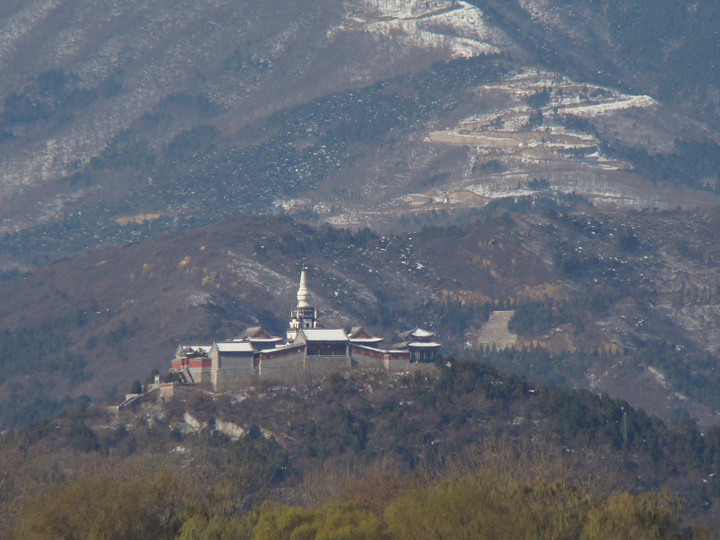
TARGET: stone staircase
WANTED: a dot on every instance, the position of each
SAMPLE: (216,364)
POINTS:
(495,332)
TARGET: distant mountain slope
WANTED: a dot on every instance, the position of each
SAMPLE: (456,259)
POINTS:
(75,75)
(602,300)
(123,119)
(552,157)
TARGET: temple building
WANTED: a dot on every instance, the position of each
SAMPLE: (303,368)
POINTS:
(306,348)
(419,343)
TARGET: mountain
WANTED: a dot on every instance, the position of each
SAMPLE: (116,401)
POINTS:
(623,303)
(166,168)
(535,172)
(124,119)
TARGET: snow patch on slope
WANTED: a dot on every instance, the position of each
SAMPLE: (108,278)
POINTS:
(455,26)
(20,24)
(259,275)
(529,128)
(542,11)
(566,95)
(620,103)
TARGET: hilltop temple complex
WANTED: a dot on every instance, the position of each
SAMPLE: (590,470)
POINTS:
(306,348)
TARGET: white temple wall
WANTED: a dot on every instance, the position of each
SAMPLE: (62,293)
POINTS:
(318,365)
(396,364)
(282,367)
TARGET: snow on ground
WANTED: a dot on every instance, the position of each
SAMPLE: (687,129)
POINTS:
(428,24)
(511,133)
(541,10)
(20,24)
(659,376)
(564,94)
(259,275)
(622,103)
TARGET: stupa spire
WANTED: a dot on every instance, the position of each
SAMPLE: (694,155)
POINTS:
(302,294)
(304,315)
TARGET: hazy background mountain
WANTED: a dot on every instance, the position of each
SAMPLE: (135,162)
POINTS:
(588,122)
(120,119)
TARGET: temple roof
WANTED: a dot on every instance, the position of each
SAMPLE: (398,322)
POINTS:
(383,351)
(423,344)
(234,346)
(201,350)
(281,348)
(366,340)
(322,334)
(417,333)
(254,332)
(359,335)
(358,332)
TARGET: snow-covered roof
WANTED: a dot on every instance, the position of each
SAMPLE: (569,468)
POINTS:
(374,349)
(202,349)
(322,334)
(234,346)
(423,344)
(366,340)
(281,348)
(383,351)
(417,333)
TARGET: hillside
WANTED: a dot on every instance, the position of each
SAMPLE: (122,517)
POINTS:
(124,122)
(364,448)
(121,120)
(541,173)
(622,303)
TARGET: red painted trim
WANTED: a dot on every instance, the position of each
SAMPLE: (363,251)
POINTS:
(364,352)
(205,362)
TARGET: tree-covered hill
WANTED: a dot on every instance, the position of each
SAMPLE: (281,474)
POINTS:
(609,301)
(366,452)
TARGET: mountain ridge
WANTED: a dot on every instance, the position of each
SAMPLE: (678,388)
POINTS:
(135,86)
